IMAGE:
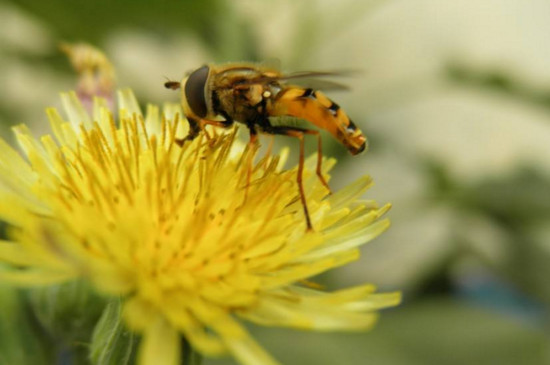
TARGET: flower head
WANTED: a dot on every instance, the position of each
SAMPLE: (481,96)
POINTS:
(167,229)
(96,73)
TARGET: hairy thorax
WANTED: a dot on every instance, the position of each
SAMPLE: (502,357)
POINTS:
(244,103)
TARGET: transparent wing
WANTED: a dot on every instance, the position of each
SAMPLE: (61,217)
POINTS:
(311,79)
(319,84)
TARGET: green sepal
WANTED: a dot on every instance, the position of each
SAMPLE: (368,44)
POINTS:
(112,343)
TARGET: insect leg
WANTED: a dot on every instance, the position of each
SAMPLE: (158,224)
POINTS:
(194,129)
(270,146)
(319,169)
(250,158)
(218,123)
(197,124)
(296,133)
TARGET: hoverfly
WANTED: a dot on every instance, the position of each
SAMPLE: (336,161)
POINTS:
(251,94)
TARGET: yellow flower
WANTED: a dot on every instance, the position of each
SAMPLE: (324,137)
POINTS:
(167,229)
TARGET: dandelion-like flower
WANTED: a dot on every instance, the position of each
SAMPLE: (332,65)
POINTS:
(168,230)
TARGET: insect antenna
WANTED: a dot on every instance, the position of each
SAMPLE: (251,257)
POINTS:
(173,85)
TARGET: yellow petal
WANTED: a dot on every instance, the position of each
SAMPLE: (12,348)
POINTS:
(12,253)
(30,278)
(248,352)
(75,111)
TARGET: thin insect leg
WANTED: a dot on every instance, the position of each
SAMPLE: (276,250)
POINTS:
(300,136)
(270,146)
(319,169)
(214,132)
(194,129)
(218,123)
(296,133)
(206,134)
(196,125)
(250,160)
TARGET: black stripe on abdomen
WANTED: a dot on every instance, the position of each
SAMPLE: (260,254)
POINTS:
(333,108)
(351,126)
(309,92)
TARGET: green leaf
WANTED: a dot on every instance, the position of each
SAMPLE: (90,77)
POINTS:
(68,311)
(21,342)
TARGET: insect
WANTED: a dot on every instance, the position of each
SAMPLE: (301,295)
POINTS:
(220,95)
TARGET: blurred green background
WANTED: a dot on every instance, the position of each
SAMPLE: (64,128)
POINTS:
(455,99)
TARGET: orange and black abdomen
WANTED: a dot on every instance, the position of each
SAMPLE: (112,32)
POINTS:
(317,108)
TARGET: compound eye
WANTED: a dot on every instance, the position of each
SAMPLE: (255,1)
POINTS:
(194,91)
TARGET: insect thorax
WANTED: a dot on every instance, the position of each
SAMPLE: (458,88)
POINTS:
(245,103)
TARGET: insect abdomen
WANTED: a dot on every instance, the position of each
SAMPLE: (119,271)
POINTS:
(317,108)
